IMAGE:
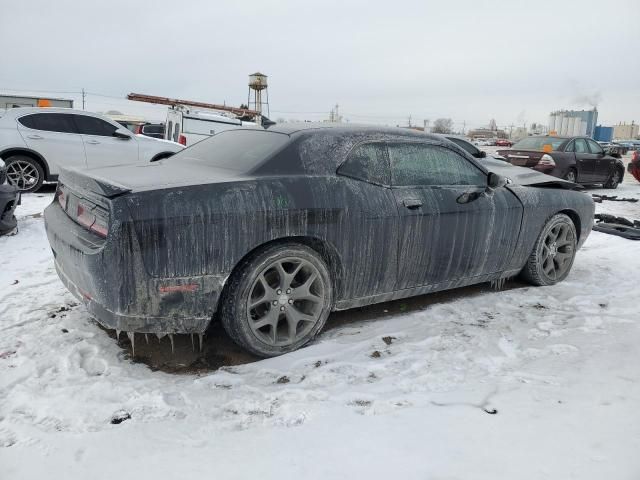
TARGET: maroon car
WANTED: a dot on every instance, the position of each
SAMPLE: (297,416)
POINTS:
(577,159)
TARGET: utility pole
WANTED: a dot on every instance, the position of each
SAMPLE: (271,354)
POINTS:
(83,96)
(464,126)
(409,120)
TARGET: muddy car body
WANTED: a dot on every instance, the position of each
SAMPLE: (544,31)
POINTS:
(9,200)
(577,159)
(168,246)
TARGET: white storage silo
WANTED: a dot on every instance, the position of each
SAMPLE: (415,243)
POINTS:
(572,124)
(583,128)
(564,124)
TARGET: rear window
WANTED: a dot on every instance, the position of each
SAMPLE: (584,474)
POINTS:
(238,150)
(153,129)
(538,143)
(202,127)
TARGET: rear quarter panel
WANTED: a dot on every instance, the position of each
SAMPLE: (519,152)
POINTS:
(208,229)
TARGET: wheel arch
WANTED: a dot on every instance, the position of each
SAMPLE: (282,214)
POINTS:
(8,152)
(325,249)
(618,165)
(575,218)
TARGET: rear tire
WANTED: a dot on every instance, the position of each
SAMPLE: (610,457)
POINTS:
(614,180)
(278,300)
(25,173)
(553,253)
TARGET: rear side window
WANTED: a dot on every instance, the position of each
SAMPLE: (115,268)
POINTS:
(423,164)
(368,162)
(176,132)
(169,130)
(94,126)
(50,122)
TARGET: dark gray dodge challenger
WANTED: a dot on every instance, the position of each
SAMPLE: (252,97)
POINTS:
(270,230)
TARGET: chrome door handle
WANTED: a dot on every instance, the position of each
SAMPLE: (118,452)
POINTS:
(34,137)
(93,142)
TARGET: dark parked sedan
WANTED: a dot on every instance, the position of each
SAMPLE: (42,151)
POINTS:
(270,230)
(576,159)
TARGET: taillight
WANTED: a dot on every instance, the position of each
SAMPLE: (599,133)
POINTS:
(546,161)
(182,140)
(61,197)
(87,217)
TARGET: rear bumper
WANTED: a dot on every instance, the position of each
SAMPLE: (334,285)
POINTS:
(109,279)
(9,200)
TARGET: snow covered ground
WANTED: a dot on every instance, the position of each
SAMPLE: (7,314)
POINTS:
(523,383)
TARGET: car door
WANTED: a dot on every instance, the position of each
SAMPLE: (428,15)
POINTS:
(370,251)
(585,160)
(101,146)
(55,137)
(450,228)
(603,164)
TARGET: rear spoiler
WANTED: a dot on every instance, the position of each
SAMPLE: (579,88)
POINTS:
(83,180)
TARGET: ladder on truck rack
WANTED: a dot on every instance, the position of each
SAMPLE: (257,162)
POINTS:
(243,113)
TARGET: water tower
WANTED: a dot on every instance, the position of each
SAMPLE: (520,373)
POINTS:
(258,84)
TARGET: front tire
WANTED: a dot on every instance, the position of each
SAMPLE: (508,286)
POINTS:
(614,180)
(553,253)
(278,300)
(25,173)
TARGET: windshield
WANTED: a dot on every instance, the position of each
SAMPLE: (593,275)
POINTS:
(239,150)
(538,143)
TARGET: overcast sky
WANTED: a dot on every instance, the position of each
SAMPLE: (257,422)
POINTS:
(381,61)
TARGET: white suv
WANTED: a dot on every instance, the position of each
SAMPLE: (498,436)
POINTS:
(36,142)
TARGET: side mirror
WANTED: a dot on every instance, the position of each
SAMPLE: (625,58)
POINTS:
(122,134)
(496,181)
(481,154)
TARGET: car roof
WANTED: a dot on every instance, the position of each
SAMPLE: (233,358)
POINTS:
(16,112)
(350,128)
(321,147)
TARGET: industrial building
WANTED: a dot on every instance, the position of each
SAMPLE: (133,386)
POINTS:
(573,122)
(603,134)
(14,101)
(622,131)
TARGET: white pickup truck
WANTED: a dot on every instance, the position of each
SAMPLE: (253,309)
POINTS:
(188,126)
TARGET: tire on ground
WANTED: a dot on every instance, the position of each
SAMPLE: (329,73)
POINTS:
(36,165)
(613,181)
(534,270)
(233,312)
